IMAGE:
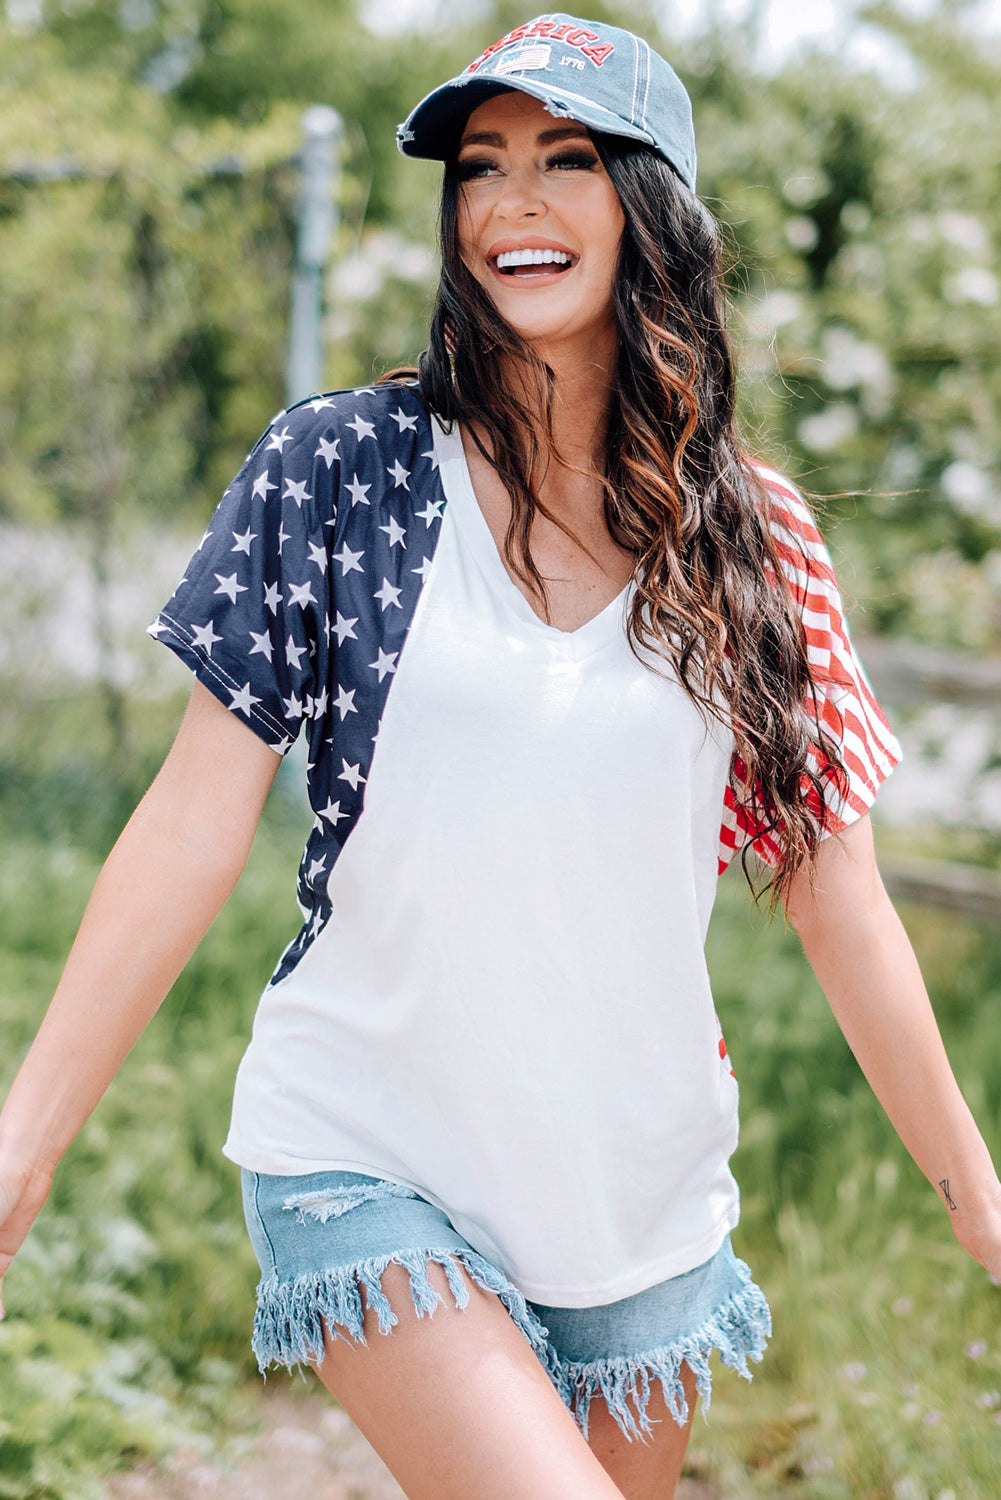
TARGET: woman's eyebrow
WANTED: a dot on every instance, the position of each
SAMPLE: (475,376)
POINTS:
(544,138)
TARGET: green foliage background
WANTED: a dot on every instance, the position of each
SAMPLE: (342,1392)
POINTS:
(142,345)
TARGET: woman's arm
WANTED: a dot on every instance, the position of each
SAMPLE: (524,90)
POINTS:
(158,893)
(863,959)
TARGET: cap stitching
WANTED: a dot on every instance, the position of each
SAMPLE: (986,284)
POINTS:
(636,79)
(646,91)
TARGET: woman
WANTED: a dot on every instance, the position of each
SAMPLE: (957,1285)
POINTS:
(561,650)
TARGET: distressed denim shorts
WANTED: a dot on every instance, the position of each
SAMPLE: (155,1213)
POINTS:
(323,1237)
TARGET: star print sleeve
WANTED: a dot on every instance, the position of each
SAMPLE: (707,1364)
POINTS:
(250,616)
(846,705)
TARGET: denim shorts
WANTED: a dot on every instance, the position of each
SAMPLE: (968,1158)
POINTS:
(323,1237)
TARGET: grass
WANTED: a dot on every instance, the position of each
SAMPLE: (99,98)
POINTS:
(129,1306)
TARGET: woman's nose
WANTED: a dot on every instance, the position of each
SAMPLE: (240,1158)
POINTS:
(522,196)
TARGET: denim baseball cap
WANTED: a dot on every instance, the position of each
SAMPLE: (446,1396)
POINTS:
(603,77)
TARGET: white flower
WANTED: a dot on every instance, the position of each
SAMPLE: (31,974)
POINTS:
(802,232)
(969,487)
(774,311)
(830,428)
(965,231)
(972,284)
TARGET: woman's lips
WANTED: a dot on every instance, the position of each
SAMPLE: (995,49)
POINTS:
(536,260)
(544,273)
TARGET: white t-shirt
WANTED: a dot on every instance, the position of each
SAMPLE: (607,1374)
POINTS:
(507,1007)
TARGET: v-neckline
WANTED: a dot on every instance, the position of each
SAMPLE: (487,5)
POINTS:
(458,486)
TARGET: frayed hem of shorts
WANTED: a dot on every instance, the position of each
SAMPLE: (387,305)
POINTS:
(290,1317)
(739,1331)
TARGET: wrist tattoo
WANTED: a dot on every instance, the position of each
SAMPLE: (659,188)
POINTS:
(949,1200)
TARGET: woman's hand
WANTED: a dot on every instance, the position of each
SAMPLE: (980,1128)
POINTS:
(161,886)
(977,1227)
(21,1197)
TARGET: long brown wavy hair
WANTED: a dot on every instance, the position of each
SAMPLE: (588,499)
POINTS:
(681,494)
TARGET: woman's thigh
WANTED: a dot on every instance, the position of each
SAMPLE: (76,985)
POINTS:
(457,1405)
(647,1470)
(478,1391)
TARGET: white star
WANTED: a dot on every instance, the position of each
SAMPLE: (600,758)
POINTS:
(272,598)
(388,594)
(395,532)
(358,492)
(279,439)
(262,484)
(431,512)
(402,421)
(328,450)
(282,745)
(332,812)
(433,457)
(293,708)
(230,587)
(244,699)
(202,636)
(295,489)
(351,774)
(349,561)
(345,702)
(316,868)
(316,923)
(344,629)
(293,653)
(262,643)
(318,555)
(385,663)
(243,541)
(283,535)
(319,402)
(361,427)
(207,534)
(157,628)
(399,475)
(423,571)
(301,594)
(320,705)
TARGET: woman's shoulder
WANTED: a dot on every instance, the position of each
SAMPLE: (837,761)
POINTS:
(791,521)
(382,414)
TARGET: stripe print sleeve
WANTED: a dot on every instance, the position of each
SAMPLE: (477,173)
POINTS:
(847,705)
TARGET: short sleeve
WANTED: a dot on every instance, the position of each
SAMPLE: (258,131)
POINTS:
(251,615)
(846,705)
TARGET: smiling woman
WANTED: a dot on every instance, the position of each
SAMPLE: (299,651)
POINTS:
(562,648)
(532,190)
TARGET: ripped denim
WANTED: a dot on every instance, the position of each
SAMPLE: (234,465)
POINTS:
(311,1278)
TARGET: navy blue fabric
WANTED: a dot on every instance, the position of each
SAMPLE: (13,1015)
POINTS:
(295,607)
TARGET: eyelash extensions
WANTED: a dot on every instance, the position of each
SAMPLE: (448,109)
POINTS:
(574,160)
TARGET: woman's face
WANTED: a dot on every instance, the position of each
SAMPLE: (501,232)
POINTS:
(530,182)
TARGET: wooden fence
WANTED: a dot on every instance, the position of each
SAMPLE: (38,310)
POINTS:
(906,674)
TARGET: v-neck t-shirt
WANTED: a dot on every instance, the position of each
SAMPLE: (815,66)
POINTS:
(509,1008)
(499,995)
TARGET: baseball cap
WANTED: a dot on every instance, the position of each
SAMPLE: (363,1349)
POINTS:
(602,76)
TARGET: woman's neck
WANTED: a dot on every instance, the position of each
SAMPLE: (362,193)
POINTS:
(581,401)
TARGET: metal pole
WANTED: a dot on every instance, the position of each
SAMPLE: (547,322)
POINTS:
(319,161)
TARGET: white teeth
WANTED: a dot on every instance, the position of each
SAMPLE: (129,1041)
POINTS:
(532,258)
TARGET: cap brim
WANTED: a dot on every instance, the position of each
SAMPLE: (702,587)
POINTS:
(432,129)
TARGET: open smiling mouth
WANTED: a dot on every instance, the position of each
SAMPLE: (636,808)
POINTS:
(527,263)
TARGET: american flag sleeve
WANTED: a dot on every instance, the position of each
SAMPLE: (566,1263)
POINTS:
(846,704)
(250,616)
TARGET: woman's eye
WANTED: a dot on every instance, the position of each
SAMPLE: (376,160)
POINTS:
(573,160)
(475,167)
